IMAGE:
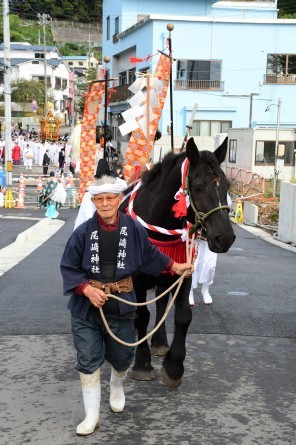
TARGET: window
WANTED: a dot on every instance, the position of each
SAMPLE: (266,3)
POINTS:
(80,63)
(122,78)
(56,105)
(232,150)
(41,79)
(131,75)
(58,83)
(116,28)
(64,84)
(108,27)
(62,105)
(70,63)
(209,128)
(39,55)
(281,68)
(199,74)
(265,152)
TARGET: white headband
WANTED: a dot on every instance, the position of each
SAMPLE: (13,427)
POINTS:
(117,187)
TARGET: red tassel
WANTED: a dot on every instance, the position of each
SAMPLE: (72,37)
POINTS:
(180,208)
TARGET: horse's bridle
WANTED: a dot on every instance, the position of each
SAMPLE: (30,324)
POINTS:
(200,216)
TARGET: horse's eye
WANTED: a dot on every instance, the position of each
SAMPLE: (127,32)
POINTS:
(198,187)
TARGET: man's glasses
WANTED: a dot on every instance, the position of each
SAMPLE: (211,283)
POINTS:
(101,199)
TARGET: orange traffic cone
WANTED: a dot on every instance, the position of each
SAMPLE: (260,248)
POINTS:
(20,200)
(22,182)
(39,184)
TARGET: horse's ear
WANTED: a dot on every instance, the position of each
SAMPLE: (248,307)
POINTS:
(192,152)
(221,151)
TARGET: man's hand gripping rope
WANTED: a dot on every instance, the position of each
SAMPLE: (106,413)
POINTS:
(98,297)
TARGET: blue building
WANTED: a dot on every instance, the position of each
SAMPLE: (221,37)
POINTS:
(234,59)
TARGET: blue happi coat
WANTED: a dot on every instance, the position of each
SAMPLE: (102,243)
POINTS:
(81,260)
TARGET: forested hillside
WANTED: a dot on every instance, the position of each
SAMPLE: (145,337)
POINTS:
(74,10)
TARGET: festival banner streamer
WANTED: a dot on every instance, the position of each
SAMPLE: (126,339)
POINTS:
(88,135)
(145,106)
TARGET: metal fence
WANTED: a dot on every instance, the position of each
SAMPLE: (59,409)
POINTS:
(31,197)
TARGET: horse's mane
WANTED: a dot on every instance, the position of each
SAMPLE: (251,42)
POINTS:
(163,167)
(170,160)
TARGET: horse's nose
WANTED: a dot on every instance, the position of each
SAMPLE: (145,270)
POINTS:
(223,243)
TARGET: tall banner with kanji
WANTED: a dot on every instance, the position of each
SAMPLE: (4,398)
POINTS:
(143,117)
(92,107)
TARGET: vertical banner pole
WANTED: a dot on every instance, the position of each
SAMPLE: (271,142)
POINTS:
(170,28)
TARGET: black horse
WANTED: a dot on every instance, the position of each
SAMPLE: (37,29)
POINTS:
(207,188)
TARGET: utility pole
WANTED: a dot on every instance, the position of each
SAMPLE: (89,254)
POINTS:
(7,92)
(276,151)
(276,146)
(44,19)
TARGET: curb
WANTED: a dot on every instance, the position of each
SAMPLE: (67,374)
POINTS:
(262,234)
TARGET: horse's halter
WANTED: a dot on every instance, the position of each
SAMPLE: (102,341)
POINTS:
(200,216)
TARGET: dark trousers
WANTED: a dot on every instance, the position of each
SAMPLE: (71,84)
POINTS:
(94,345)
(45,169)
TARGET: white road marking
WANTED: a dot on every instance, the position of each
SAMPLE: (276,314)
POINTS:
(27,242)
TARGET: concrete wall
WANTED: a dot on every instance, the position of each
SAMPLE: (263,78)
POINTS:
(287,214)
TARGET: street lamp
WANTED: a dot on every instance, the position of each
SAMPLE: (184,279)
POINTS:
(278,105)
(44,19)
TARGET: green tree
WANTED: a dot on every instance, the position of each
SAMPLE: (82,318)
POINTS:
(24,91)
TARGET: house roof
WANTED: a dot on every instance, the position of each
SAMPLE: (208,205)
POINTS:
(28,47)
(17,61)
(75,57)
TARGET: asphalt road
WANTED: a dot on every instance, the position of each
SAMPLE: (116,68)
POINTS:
(239,381)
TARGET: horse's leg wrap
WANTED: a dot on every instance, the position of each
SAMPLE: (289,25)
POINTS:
(91,392)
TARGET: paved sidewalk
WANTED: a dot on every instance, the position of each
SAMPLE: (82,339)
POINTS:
(235,391)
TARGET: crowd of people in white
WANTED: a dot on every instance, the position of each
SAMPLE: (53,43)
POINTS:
(31,151)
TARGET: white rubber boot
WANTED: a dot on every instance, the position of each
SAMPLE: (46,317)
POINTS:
(117,397)
(205,294)
(91,392)
(191,298)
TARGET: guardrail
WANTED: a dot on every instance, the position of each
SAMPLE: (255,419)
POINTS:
(31,197)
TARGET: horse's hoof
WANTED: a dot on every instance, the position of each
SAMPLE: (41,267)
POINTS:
(139,374)
(159,351)
(168,381)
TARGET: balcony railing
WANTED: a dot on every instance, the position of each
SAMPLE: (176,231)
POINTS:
(121,94)
(199,85)
(280,78)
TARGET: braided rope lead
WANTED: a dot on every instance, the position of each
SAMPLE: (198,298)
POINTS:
(177,283)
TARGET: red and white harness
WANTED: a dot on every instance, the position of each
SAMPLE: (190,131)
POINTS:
(175,249)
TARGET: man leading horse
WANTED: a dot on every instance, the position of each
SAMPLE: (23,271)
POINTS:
(101,257)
